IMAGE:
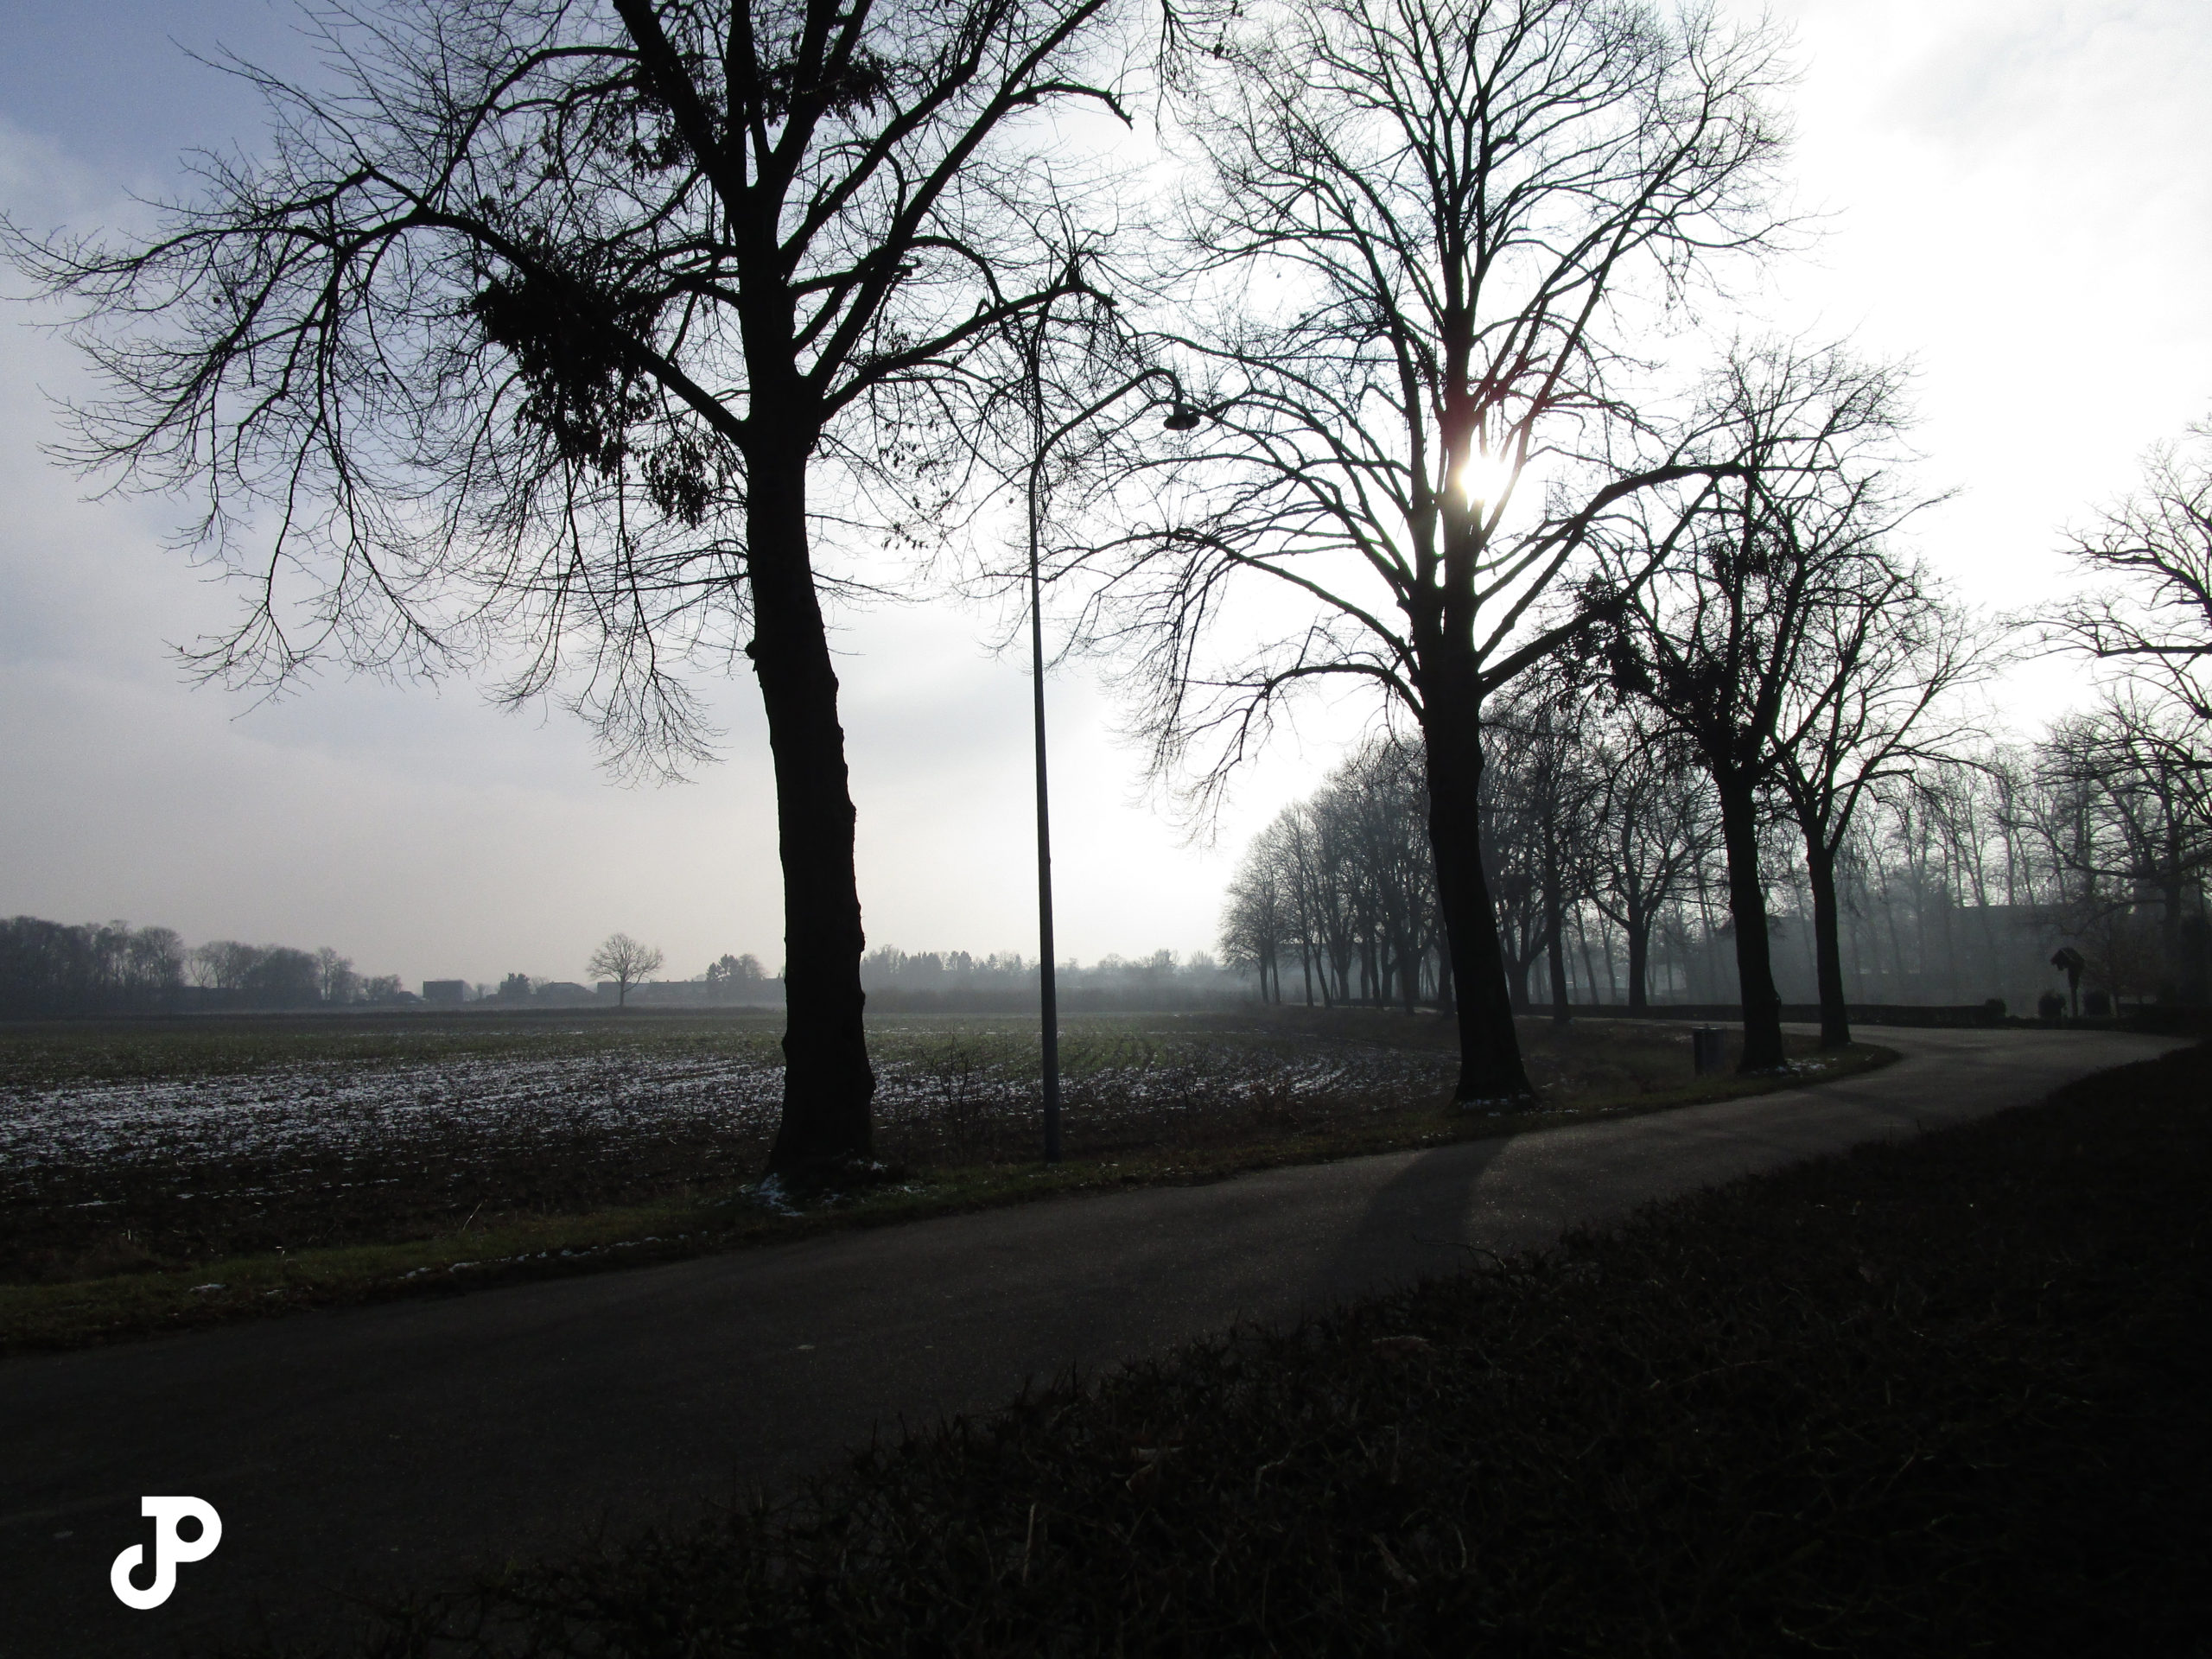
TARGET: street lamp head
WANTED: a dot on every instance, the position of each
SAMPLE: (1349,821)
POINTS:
(1181,418)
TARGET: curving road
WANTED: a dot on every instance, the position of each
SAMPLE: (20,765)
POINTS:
(349,1452)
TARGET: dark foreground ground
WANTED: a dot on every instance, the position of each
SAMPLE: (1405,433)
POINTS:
(1942,1397)
(360,1453)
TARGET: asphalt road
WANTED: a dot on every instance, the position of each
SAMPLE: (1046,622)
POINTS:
(350,1452)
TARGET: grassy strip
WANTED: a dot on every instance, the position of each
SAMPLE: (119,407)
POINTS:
(1942,1397)
(123,1305)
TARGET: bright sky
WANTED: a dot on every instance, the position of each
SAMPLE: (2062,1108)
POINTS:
(2017,197)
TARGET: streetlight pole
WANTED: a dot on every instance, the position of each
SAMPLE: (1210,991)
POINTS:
(1047,981)
(1181,417)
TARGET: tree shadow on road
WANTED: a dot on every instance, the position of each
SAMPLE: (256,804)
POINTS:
(1415,1225)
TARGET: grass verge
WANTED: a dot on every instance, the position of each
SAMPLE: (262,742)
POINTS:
(81,1311)
(1941,1397)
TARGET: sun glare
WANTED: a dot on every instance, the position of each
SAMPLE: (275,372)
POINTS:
(1484,476)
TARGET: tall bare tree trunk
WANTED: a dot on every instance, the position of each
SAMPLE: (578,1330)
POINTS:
(1517,971)
(1739,832)
(1827,948)
(1639,957)
(1589,969)
(828,1083)
(1490,1048)
(1555,926)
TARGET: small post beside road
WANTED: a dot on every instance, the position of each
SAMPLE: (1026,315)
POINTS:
(1707,1047)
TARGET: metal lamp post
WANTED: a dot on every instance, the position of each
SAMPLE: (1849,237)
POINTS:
(1047,983)
(1181,417)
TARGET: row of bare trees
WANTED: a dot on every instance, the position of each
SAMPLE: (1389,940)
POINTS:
(52,968)
(1766,751)
(1956,881)
(1423,238)
(1756,622)
(56,968)
(583,343)
(1894,852)
(1342,888)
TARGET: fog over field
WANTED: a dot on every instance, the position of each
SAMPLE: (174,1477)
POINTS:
(2015,196)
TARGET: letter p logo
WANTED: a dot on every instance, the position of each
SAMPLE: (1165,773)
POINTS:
(170,1550)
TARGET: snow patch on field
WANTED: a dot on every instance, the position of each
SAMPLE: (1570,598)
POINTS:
(349,1107)
(342,1107)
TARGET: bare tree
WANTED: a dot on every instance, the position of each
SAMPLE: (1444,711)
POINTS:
(1883,653)
(1541,799)
(564,327)
(2141,841)
(1653,815)
(2138,768)
(1379,800)
(335,980)
(2155,547)
(1721,644)
(156,961)
(1437,220)
(224,964)
(1302,851)
(1345,878)
(1255,926)
(1512,846)
(625,960)
(735,973)
(48,968)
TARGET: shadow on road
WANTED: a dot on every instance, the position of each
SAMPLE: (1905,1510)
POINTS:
(1414,1226)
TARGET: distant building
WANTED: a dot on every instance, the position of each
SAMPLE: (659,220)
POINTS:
(445,991)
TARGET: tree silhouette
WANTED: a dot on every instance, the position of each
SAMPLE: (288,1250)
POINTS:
(2134,774)
(1433,219)
(1886,650)
(2154,548)
(538,334)
(625,960)
(1653,821)
(1720,643)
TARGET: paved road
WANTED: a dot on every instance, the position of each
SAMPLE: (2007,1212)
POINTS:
(350,1451)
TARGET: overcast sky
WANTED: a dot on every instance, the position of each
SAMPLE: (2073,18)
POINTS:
(2018,196)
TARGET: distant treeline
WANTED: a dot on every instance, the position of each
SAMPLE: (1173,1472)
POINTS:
(1007,981)
(58,970)
(958,981)
(1960,880)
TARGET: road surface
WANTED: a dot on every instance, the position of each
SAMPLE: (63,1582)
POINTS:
(350,1452)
